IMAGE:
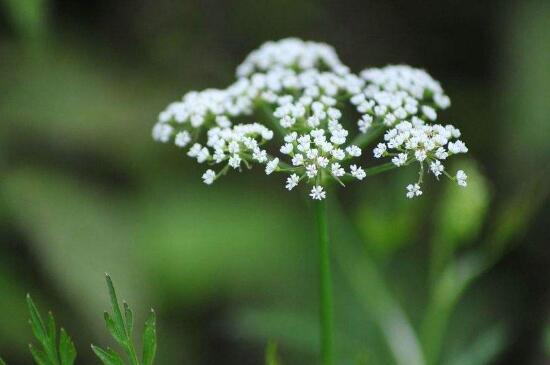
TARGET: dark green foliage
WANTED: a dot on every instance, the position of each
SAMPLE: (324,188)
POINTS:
(51,352)
(120,324)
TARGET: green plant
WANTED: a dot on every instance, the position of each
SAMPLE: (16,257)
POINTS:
(119,325)
(307,101)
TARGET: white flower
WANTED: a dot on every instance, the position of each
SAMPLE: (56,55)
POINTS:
(287,148)
(437,168)
(429,112)
(208,177)
(413,190)
(364,123)
(353,151)
(182,139)
(292,181)
(441,153)
(338,154)
(287,121)
(379,150)
(357,172)
(234,161)
(457,147)
(337,170)
(162,132)
(259,155)
(317,193)
(400,159)
(311,171)
(461,178)
(420,155)
(298,159)
(271,166)
(203,155)
(322,161)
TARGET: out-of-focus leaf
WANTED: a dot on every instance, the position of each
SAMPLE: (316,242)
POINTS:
(380,210)
(78,234)
(515,214)
(27,16)
(368,285)
(150,340)
(459,216)
(546,340)
(2,362)
(200,241)
(271,356)
(483,349)
(447,290)
(527,80)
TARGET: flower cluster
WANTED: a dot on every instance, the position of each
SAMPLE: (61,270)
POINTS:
(305,94)
(425,144)
(396,93)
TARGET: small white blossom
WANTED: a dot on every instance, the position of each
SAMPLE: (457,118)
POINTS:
(182,139)
(379,150)
(357,172)
(420,155)
(317,193)
(437,168)
(353,151)
(271,166)
(400,159)
(162,132)
(322,161)
(208,177)
(311,171)
(461,178)
(287,148)
(457,147)
(235,161)
(259,155)
(337,170)
(298,159)
(292,181)
(413,190)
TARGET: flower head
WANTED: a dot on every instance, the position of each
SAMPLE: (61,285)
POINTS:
(301,89)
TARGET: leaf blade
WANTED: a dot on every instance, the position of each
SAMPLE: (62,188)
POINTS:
(150,339)
(67,350)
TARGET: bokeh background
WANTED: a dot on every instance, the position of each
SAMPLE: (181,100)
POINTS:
(458,277)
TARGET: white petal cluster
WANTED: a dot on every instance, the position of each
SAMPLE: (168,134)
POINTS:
(305,93)
(291,53)
(396,93)
(426,144)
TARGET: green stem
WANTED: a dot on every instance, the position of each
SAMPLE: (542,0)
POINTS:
(326,310)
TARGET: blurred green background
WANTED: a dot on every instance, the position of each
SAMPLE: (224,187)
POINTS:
(458,277)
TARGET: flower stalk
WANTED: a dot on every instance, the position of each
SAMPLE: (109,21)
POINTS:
(325,285)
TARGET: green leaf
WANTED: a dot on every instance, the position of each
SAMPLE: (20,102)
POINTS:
(39,356)
(67,350)
(150,339)
(119,336)
(43,334)
(51,331)
(483,349)
(118,319)
(458,217)
(108,357)
(271,357)
(129,317)
(36,321)
(2,362)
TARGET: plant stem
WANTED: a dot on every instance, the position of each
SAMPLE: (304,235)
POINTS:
(326,310)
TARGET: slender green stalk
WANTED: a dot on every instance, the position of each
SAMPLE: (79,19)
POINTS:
(326,309)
